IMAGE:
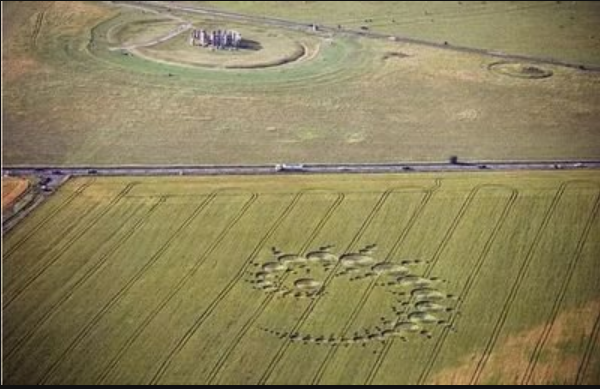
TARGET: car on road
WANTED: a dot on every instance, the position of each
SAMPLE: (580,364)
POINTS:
(290,168)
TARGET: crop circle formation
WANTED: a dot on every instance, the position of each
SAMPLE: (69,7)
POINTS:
(417,303)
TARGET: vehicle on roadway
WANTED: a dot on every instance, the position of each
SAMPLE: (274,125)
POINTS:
(290,167)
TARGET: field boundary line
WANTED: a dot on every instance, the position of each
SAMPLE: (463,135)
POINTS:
(589,353)
(263,306)
(572,266)
(89,273)
(166,363)
(523,270)
(37,27)
(180,285)
(119,295)
(39,23)
(79,233)
(72,228)
(469,283)
(45,220)
(436,256)
(65,236)
(428,194)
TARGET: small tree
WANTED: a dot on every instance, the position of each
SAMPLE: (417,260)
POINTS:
(454,160)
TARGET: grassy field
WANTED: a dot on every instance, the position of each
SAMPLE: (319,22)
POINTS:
(70,100)
(478,278)
(565,30)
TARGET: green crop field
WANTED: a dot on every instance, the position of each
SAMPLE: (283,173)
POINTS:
(72,97)
(423,278)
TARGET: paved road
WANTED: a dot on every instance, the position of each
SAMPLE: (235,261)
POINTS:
(211,170)
(53,177)
(289,24)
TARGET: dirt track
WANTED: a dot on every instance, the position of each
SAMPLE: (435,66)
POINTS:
(172,34)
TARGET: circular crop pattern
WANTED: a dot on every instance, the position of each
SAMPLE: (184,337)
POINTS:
(356,261)
(415,303)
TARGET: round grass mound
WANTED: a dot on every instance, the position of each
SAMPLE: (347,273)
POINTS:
(166,41)
(520,70)
(129,48)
